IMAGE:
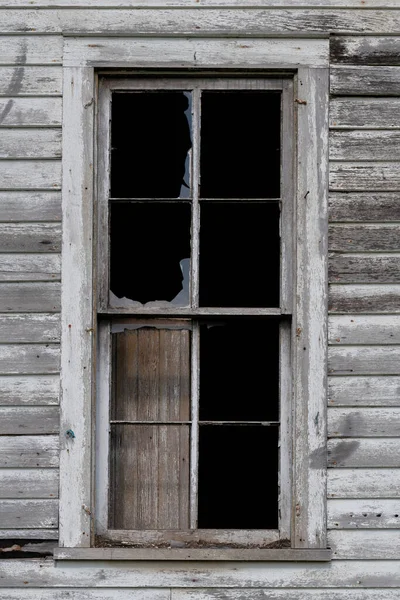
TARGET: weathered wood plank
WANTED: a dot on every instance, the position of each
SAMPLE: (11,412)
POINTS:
(364,207)
(30,81)
(30,297)
(364,360)
(364,514)
(29,358)
(29,534)
(364,145)
(299,4)
(371,50)
(364,268)
(30,206)
(93,594)
(30,267)
(29,390)
(364,483)
(30,112)
(368,177)
(32,420)
(29,451)
(356,329)
(364,452)
(364,112)
(364,238)
(30,237)
(25,174)
(28,483)
(267,594)
(365,545)
(364,391)
(28,513)
(30,143)
(363,422)
(30,50)
(25,328)
(364,298)
(365,81)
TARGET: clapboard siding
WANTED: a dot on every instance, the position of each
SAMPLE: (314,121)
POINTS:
(369,177)
(364,145)
(30,50)
(29,358)
(30,237)
(364,113)
(364,360)
(28,514)
(29,390)
(299,4)
(365,544)
(363,483)
(364,391)
(364,452)
(30,81)
(363,422)
(364,298)
(30,143)
(30,206)
(23,420)
(365,81)
(371,50)
(30,112)
(28,174)
(25,328)
(364,238)
(30,267)
(30,297)
(28,483)
(140,594)
(364,207)
(361,268)
(364,514)
(356,329)
(29,451)
(246,594)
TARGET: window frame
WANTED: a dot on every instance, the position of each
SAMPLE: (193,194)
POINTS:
(307,61)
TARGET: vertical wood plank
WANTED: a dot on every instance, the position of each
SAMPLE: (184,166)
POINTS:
(310,326)
(77,308)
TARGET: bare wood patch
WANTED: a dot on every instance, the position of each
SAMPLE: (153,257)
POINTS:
(32,237)
(364,177)
(30,206)
(364,360)
(364,298)
(364,238)
(371,50)
(365,81)
(364,268)
(30,297)
(28,514)
(365,545)
(364,207)
(21,359)
(30,267)
(29,451)
(364,145)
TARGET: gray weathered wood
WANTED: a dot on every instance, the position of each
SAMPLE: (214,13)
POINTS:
(30,297)
(96,594)
(30,112)
(30,267)
(364,206)
(29,451)
(21,359)
(29,534)
(30,50)
(365,81)
(30,81)
(30,206)
(364,112)
(356,329)
(28,483)
(364,514)
(28,513)
(35,174)
(364,268)
(364,238)
(27,328)
(364,452)
(363,422)
(364,360)
(29,390)
(366,50)
(364,298)
(299,4)
(365,545)
(364,145)
(364,176)
(30,143)
(363,483)
(268,594)
(364,391)
(30,237)
(23,420)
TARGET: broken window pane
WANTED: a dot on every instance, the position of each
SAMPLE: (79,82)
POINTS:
(239,370)
(150,254)
(239,254)
(238,477)
(151,140)
(240,144)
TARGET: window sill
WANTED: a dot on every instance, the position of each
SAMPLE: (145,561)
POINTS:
(201,554)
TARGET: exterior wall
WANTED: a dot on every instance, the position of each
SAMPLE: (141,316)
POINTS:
(364,386)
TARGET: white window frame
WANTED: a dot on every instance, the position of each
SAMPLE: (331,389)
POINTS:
(307,61)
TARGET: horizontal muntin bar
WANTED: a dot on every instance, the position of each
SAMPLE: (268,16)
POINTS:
(260,423)
(189,200)
(194,312)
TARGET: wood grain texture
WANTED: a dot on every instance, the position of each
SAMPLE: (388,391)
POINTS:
(364,112)
(30,535)
(364,391)
(29,390)
(30,112)
(22,514)
(23,420)
(365,545)
(365,81)
(30,237)
(25,328)
(371,50)
(364,514)
(364,360)
(364,452)
(364,483)
(28,483)
(364,207)
(30,50)
(367,177)
(364,298)
(273,594)
(364,268)
(316,4)
(30,267)
(30,81)
(356,329)
(364,238)
(363,422)
(24,174)
(29,451)
(22,359)
(30,297)
(96,594)
(30,206)
(364,145)
(30,143)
